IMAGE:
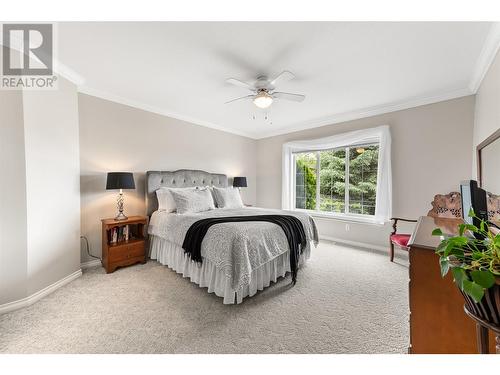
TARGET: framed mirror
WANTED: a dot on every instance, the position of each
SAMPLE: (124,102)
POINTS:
(488,163)
(488,173)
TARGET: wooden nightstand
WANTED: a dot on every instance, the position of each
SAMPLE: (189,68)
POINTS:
(120,248)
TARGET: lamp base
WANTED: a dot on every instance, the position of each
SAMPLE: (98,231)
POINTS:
(121,216)
(119,204)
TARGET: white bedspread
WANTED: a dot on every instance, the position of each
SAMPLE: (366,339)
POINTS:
(236,249)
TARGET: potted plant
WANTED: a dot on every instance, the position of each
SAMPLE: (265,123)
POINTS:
(474,260)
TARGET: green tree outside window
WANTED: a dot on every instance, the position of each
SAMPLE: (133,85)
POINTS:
(362,182)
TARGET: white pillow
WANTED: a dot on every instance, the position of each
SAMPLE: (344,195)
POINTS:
(165,200)
(211,190)
(194,200)
(228,197)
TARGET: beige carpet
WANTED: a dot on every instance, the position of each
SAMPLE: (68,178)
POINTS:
(346,301)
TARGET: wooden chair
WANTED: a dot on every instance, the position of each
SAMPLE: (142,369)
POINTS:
(398,239)
(443,205)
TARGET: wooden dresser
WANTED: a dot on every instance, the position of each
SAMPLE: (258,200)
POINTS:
(438,323)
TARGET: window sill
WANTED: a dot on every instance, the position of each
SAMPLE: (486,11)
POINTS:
(343,217)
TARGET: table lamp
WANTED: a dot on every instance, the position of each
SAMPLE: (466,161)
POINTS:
(120,180)
(239,182)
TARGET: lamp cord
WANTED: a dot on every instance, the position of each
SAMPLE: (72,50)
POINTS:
(88,248)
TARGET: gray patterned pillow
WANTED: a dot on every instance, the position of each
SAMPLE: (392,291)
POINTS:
(228,197)
(165,200)
(189,201)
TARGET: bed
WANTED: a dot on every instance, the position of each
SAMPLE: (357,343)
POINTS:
(240,258)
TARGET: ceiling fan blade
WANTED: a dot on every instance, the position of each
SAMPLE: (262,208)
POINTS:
(288,96)
(239,83)
(243,97)
(282,77)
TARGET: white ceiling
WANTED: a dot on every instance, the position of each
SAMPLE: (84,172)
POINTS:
(346,70)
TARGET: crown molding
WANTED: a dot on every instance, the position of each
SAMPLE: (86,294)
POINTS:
(486,57)
(371,111)
(329,120)
(145,107)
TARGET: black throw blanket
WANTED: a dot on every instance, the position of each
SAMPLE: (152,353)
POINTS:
(292,227)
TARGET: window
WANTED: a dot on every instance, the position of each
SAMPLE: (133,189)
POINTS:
(345,175)
(341,180)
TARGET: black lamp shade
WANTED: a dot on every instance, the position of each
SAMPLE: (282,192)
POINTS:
(120,180)
(240,182)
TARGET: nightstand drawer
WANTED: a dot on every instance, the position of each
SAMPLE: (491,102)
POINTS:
(136,249)
(126,251)
(117,253)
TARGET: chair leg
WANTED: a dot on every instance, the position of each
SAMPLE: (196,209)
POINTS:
(391,252)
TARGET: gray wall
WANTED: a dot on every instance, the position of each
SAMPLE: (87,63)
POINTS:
(115,137)
(52,184)
(13,247)
(40,195)
(430,154)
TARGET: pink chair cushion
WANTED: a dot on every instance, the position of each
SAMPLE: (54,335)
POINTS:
(400,239)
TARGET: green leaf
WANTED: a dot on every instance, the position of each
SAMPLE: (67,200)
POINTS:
(437,232)
(447,249)
(471,227)
(457,252)
(461,229)
(459,275)
(471,212)
(445,266)
(473,289)
(458,241)
(483,278)
(476,255)
(496,240)
(442,245)
(454,246)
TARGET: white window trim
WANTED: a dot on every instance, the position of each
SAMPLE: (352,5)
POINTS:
(348,218)
(347,182)
(380,135)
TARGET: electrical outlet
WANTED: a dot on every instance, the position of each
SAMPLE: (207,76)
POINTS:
(347,227)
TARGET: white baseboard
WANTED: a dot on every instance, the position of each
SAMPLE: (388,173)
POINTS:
(90,264)
(355,243)
(14,305)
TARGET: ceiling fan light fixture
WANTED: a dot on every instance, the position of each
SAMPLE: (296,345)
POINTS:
(263,100)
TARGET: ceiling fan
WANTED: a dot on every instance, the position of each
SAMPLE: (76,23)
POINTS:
(263,90)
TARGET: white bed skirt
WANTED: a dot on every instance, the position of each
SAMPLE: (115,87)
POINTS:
(208,276)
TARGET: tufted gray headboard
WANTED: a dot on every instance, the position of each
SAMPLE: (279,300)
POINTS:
(180,178)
